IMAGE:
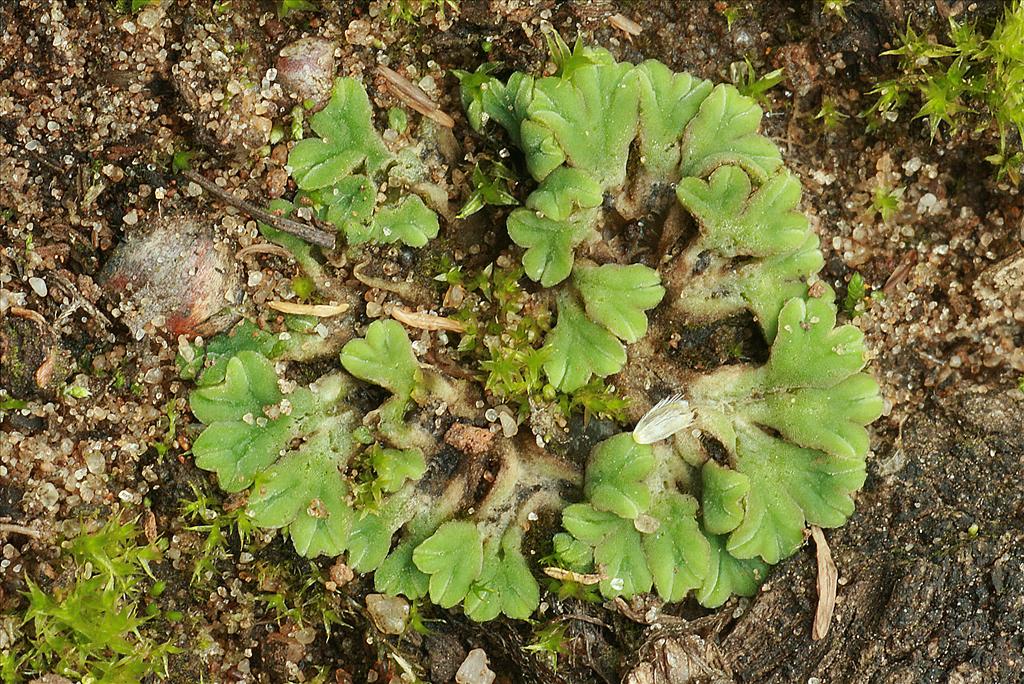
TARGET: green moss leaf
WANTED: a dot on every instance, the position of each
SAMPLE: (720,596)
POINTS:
(617,296)
(305,492)
(591,114)
(395,466)
(809,350)
(453,557)
(618,549)
(580,349)
(724,493)
(563,192)
(505,585)
(790,486)
(572,553)
(384,357)
(668,101)
(767,285)
(507,103)
(472,86)
(830,419)
(615,476)
(369,541)
(483,601)
(735,221)
(724,131)
(520,594)
(236,451)
(398,573)
(347,140)
(728,576)
(240,441)
(350,204)
(549,244)
(678,555)
(811,394)
(208,366)
(409,222)
(250,383)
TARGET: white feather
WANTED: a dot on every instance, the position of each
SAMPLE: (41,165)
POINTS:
(666,418)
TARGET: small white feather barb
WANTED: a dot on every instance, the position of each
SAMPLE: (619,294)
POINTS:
(669,416)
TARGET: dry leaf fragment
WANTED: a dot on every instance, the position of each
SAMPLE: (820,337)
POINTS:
(263,248)
(412,95)
(626,25)
(828,577)
(425,321)
(563,575)
(318,310)
(149,527)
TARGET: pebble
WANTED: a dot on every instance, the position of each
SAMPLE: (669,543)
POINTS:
(95,462)
(38,286)
(474,669)
(509,427)
(48,495)
(389,613)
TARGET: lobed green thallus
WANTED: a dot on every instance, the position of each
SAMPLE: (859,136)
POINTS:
(666,515)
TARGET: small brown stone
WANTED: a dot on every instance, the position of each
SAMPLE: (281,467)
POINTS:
(469,439)
(276,182)
(341,574)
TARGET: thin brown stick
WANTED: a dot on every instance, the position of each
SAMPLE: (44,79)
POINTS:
(302,230)
(14,528)
(411,94)
(29,314)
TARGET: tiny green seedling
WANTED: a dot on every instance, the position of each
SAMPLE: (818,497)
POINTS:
(887,201)
(829,114)
(967,82)
(856,293)
(753,86)
(100,626)
(286,7)
(410,10)
(836,7)
(490,187)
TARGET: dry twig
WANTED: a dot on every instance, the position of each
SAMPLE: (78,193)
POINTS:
(263,248)
(14,528)
(302,230)
(412,95)
(563,575)
(30,315)
(626,25)
(78,300)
